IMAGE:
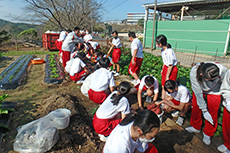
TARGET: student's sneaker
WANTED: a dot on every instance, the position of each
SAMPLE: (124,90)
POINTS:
(222,148)
(148,99)
(180,121)
(191,129)
(116,74)
(113,71)
(102,137)
(206,139)
(175,114)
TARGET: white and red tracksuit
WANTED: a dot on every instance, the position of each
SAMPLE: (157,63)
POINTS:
(116,55)
(209,90)
(120,141)
(136,44)
(68,45)
(105,119)
(169,58)
(77,69)
(101,80)
(225,90)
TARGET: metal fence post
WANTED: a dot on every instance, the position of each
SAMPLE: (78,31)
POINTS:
(193,62)
(215,55)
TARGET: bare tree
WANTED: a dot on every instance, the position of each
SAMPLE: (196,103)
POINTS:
(64,14)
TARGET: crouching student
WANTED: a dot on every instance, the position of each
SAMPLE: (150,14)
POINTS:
(225,90)
(101,80)
(134,133)
(78,69)
(147,87)
(206,79)
(178,98)
(106,117)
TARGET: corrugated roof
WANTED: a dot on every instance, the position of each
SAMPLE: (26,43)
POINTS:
(207,7)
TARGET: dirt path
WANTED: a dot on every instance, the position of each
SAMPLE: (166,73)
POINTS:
(36,99)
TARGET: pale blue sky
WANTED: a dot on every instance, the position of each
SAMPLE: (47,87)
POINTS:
(115,9)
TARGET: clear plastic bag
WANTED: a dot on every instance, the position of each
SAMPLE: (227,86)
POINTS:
(42,134)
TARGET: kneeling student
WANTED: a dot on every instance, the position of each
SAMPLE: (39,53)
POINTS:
(150,85)
(78,69)
(178,98)
(101,80)
(106,117)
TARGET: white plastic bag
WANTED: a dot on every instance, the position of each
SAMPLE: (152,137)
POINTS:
(42,134)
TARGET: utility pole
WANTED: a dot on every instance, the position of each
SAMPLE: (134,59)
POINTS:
(154,20)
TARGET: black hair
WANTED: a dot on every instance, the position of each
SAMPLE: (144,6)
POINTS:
(123,89)
(76,28)
(82,46)
(149,80)
(145,120)
(99,53)
(81,55)
(104,62)
(168,45)
(208,71)
(161,39)
(170,84)
(69,30)
(115,32)
(132,34)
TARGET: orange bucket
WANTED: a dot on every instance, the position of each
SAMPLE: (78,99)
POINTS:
(38,61)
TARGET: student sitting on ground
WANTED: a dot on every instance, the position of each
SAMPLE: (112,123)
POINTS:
(134,134)
(178,98)
(105,119)
(147,87)
(78,69)
(101,80)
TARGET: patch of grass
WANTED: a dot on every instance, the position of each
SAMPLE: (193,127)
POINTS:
(33,52)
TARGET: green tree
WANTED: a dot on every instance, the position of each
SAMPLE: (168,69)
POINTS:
(28,34)
(141,22)
(4,36)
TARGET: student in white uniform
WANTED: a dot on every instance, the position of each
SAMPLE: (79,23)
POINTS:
(225,90)
(69,44)
(78,69)
(60,40)
(134,133)
(150,86)
(206,79)
(169,69)
(101,80)
(137,57)
(178,98)
(116,104)
(116,55)
(87,36)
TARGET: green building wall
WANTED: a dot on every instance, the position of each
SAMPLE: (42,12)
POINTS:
(185,36)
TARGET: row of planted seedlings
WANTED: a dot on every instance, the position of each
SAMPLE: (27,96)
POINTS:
(13,75)
(6,109)
(152,65)
(54,74)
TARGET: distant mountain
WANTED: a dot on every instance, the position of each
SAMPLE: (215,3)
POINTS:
(16,28)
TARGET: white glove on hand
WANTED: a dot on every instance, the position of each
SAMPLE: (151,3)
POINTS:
(228,107)
(208,117)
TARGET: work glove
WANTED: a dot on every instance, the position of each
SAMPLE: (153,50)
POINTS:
(208,117)
(228,107)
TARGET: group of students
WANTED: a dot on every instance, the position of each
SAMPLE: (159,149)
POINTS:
(128,131)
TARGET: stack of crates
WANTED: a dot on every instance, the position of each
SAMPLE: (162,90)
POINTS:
(48,40)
